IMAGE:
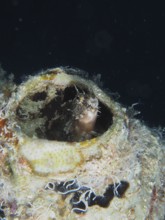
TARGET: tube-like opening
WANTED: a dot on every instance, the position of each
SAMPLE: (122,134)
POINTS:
(74,114)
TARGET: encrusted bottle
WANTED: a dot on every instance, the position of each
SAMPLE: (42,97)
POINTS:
(69,151)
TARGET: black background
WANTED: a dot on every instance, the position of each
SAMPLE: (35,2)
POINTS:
(124,41)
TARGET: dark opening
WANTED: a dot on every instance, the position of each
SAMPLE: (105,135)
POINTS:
(39,96)
(55,119)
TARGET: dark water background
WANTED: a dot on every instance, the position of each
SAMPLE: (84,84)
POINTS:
(124,41)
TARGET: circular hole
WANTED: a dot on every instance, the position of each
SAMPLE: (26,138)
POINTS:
(74,114)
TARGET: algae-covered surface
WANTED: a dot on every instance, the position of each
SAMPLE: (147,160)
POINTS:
(69,151)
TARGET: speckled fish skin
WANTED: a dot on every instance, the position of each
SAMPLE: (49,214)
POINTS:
(35,149)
